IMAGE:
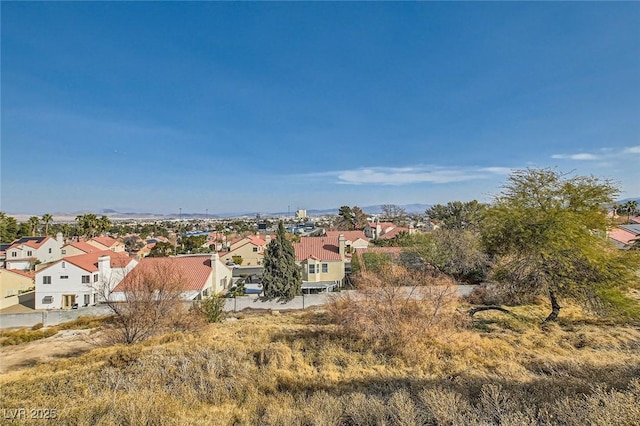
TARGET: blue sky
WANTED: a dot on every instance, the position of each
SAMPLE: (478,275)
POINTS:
(260,106)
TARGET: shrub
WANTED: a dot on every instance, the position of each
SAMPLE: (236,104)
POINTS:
(212,308)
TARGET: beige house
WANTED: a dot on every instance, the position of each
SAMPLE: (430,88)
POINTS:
(12,283)
(250,249)
(352,239)
(77,248)
(107,243)
(322,260)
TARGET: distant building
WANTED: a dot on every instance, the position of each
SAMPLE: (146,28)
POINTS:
(301,214)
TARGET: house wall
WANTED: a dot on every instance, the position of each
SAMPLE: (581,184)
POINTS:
(72,285)
(21,257)
(249,257)
(11,284)
(69,250)
(335,270)
(220,275)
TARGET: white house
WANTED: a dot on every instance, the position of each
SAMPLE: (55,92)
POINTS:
(200,275)
(25,252)
(75,281)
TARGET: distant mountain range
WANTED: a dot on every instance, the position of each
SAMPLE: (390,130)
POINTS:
(415,208)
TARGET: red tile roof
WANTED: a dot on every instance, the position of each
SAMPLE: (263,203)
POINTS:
(321,248)
(30,243)
(622,235)
(89,261)
(348,235)
(394,232)
(105,241)
(84,246)
(28,274)
(193,270)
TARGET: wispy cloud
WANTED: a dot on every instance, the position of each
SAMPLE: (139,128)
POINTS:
(587,157)
(605,154)
(409,175)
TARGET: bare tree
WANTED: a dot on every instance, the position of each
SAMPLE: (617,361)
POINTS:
(147,301)
(394,213)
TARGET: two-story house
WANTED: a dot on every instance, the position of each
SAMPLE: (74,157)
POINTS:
(107,243)
(250,249)
(322,260)
(79,281)
(26,252)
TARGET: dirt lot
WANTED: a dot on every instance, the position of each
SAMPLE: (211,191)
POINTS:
(65,344)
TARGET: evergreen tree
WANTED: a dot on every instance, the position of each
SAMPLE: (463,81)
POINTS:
(282,278)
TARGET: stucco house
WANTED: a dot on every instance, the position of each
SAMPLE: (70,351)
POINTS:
(25,252)
(250,249)
(76,281)
(12,283)
(352,239)
(377,230)
(76,248)
(107,243)
(201,275)
(322,260)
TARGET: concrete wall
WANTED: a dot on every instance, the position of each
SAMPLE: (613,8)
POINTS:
(237,304)
(49,318)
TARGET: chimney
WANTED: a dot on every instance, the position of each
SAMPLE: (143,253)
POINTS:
(267,238)
(341,246)
(104,265)
(60,238)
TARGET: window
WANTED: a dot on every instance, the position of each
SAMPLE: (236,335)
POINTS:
(312,268)
(64,265)
(95,278)
(325,268)
(94,299)
(29,253)
(86,279)
(64,277)
(255,249)
(49,251)
(64,252)
(87,299)
(47,299)
(46,279)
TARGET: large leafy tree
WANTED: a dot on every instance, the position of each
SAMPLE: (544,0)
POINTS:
(282,278)
(457,214)
(545,230)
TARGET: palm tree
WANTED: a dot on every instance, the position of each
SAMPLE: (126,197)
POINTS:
(34,222)
(87,224)
(46,220)
(103,224)
(630,207)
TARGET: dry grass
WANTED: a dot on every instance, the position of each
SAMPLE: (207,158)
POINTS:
(302,369)
(37,332)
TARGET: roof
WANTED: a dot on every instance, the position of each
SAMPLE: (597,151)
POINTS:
(622,235)
(89,261)
(393,233)
(27,274)
(105,241)
(348,235)
(194,271)
(635,228)
(83,246)
(321,248)
(33,242)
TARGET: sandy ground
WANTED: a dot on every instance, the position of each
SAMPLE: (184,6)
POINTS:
(65,344)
